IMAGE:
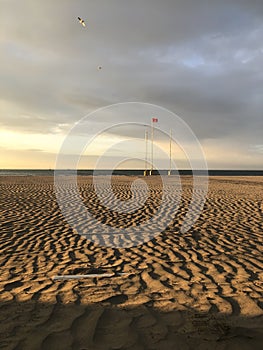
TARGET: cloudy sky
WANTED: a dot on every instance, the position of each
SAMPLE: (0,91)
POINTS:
(200,59)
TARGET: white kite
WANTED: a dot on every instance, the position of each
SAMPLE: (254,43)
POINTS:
(81,22)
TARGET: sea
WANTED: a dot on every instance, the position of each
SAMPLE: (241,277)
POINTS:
(131,172)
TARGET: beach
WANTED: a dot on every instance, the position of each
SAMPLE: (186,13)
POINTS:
(202,289)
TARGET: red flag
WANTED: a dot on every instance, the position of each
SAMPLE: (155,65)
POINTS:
(155,120)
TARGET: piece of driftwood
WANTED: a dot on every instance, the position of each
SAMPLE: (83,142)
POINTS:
(90,275)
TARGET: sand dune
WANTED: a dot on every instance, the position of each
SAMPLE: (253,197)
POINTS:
(197,290)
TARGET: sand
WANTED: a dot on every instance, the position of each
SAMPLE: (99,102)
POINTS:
(197,290)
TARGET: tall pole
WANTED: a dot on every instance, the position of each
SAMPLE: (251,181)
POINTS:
(146,153)
(152,148)
(170,165)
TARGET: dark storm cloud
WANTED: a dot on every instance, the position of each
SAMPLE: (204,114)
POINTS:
(201,59)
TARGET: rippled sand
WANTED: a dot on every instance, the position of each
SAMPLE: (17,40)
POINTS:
(197,290)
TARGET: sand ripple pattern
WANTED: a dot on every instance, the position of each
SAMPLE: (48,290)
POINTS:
(121,215)
(198,290)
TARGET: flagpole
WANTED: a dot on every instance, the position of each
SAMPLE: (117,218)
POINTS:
(170,165)
(146,153)
(151,172)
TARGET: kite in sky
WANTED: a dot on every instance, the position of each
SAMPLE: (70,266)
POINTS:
(81,22)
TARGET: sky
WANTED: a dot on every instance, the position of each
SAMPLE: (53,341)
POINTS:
(200,59)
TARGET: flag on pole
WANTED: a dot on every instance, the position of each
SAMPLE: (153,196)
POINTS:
(155,120)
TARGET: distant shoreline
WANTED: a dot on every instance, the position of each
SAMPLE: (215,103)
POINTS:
(82,172)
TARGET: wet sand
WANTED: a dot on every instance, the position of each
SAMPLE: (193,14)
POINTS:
(197,290)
